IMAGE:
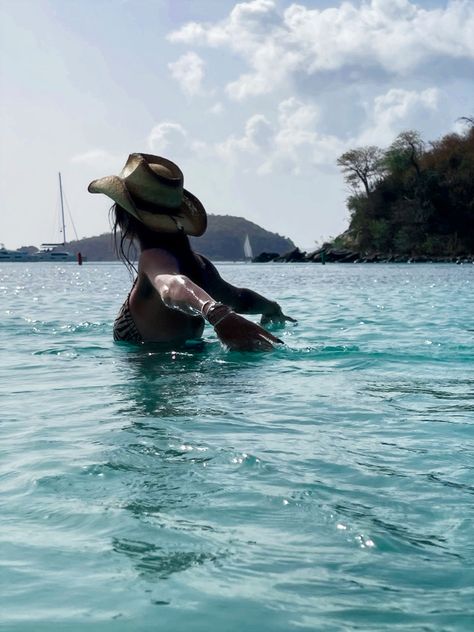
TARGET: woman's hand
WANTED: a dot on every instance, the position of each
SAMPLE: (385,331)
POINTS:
(274,315)
(238,333)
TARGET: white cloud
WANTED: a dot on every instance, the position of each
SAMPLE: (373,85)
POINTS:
(291,143)
(217,108)
(249,30)
(399,109)
(172,140)
(256,138)
(396,37)
(299,145)
(188,71)
(246,21)
(295,115)
(168,138)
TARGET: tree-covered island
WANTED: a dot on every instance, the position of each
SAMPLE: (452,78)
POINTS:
(413,198)
(413,201)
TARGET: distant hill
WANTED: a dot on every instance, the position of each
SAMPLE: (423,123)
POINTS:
(222,241)
(225,236)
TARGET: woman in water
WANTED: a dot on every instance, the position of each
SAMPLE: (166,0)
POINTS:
(176,290)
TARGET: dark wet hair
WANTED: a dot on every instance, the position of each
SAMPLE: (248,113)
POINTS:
(131,236)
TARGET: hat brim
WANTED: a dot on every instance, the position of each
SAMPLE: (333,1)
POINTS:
(190,216)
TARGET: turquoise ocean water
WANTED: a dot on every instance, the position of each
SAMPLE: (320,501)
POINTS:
(326,486)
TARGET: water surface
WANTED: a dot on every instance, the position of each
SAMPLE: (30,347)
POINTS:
(326,486)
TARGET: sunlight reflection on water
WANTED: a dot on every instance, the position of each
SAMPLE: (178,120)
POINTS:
(325,486)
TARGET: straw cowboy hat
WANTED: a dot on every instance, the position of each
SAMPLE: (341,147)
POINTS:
(151,189)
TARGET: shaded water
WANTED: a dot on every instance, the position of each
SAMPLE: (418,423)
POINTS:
(326,486)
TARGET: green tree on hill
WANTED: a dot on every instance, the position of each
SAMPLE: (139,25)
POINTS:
(362,166)
(413,198)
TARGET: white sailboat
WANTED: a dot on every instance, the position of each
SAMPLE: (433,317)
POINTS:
(248,252)
(56,251)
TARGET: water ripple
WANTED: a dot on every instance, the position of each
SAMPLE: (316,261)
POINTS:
(325,486)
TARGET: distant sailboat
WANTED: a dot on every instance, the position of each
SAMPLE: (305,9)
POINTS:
(56,252)
(248,252)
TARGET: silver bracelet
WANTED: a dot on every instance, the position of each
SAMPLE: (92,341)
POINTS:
(217,312)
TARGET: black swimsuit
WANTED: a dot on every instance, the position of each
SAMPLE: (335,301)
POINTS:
(125,328)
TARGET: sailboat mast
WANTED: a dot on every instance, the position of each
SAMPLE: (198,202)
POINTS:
(62,208)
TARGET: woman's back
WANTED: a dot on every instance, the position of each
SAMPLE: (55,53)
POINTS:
(153,318)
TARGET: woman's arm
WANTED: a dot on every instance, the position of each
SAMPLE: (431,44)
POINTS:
(243,300)
(179,292)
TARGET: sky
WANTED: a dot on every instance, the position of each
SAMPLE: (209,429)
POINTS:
(254,101)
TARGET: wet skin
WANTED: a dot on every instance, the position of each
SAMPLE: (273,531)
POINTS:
(168,307)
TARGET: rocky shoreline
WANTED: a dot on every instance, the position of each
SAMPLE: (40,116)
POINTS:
(343,255)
